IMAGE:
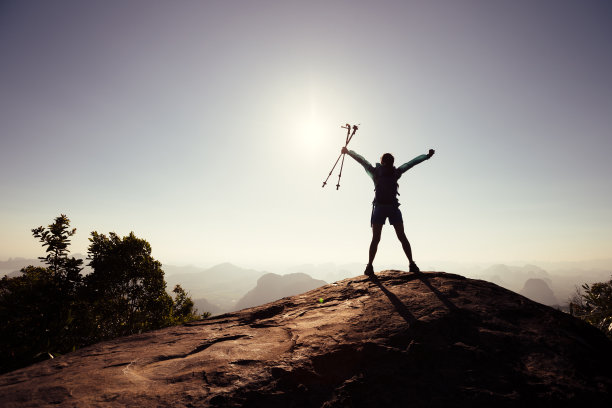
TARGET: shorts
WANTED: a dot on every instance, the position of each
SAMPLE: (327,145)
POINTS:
(380,213)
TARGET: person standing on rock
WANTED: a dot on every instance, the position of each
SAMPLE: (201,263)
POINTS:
(385,204)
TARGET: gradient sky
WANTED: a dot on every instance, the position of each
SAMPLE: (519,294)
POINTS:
(207,127)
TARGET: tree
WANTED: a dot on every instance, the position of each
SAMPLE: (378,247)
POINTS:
(54,310)
(56,239)
(28,326)
(41,310)
(594,305)
(127,286)
(182,309)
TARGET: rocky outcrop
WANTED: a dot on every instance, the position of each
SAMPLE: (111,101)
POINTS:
(397,339)
(272,287)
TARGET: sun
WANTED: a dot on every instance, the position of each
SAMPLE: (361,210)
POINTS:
(314,128)
(312,132)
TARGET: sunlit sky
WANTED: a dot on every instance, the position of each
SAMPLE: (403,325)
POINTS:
(207,127)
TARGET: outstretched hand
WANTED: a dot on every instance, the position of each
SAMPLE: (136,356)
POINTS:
(344,150)
(431,152)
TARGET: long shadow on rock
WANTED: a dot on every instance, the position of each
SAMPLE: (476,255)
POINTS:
(425,279)
(400,307)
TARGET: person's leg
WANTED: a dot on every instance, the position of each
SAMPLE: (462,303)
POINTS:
(376,232)
(401,235)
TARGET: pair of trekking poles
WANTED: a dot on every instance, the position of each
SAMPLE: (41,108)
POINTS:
(349,136)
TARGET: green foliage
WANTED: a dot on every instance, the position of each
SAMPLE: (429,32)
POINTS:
(54,310)
(127,286)
(27,329)
(182,309)
(40,310)
(595,305)
(56,239)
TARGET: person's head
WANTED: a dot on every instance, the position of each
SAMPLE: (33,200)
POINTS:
(387,160)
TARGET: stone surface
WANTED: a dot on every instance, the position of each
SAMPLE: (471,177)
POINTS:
(399,339)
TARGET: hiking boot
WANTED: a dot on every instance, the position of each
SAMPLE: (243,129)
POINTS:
(414,267)
(369,270)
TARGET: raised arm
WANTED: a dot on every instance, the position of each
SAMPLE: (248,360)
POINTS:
(366,164)
(419,159)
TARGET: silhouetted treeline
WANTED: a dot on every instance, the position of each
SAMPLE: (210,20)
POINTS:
(56,309)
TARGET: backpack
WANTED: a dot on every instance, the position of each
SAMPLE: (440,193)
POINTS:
(385,182)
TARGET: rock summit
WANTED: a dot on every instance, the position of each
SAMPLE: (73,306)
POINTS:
(397,339)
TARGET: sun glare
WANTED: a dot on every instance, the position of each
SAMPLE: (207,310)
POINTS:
(311,134)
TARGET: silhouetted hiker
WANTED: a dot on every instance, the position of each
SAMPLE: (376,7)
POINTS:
(385,204)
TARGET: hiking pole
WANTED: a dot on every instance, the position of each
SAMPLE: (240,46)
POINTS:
(349,136)
(348,127)
(348,139)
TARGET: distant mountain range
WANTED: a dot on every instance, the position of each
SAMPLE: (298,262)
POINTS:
(13,265)
(227,287)
(222,285)
(328,272)
(562,284)
(514,277)
(272,287)
(202,305)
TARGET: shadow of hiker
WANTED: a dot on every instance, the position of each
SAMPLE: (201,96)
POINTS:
(399,306)
(423,278)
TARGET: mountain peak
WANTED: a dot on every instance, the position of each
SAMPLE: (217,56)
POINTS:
(430,339)
(539,291)
(272,286)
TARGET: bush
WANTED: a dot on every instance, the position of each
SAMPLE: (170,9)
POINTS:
(594,305)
